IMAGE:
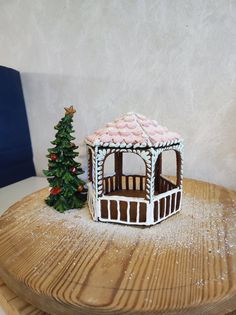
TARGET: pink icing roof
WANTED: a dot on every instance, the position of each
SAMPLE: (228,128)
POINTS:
(133,129)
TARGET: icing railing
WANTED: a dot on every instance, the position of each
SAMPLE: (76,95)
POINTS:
(133,182)
(165,184)
(130,210)
(134,210)
(166,204)
(126,210)
(109,184)
(128,182)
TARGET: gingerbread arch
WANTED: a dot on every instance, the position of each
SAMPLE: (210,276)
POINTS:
(120,184)
(133,199)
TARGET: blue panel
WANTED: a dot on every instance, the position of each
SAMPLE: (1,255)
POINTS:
(16,158)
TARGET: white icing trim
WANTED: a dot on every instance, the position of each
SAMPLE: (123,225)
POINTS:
(134,145)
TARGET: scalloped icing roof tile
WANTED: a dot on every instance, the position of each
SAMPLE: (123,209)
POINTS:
(133,129)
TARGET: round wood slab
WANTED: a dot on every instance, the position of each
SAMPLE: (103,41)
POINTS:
(68,264)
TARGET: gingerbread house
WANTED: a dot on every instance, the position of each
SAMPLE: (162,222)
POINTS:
(134,199)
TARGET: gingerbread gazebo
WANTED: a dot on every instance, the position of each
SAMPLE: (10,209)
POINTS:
(133,199)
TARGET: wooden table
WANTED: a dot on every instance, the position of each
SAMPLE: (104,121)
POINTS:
(68,264)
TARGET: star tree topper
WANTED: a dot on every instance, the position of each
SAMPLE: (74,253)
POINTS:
(70,110)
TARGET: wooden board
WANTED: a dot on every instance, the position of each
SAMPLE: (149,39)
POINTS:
(13,305)
(68,264)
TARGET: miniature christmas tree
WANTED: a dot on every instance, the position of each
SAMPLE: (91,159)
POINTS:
(67,189)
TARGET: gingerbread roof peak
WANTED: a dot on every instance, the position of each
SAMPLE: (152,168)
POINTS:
(133,129)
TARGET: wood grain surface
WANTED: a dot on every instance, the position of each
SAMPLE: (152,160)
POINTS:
(14,305)
(69,264)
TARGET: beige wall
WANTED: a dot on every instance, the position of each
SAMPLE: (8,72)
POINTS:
(174,61)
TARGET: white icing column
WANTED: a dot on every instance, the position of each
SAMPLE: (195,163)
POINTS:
(101,155)
(150,175)
(92,184)
(148,158)
(96,168)
(179,162)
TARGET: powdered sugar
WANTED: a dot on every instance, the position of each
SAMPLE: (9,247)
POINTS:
(200,222)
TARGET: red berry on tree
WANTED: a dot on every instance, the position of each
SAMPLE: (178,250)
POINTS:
(55,191)
(53,156)
(73,170)
(80,188)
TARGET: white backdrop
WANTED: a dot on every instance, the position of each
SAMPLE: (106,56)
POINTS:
(173,61)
